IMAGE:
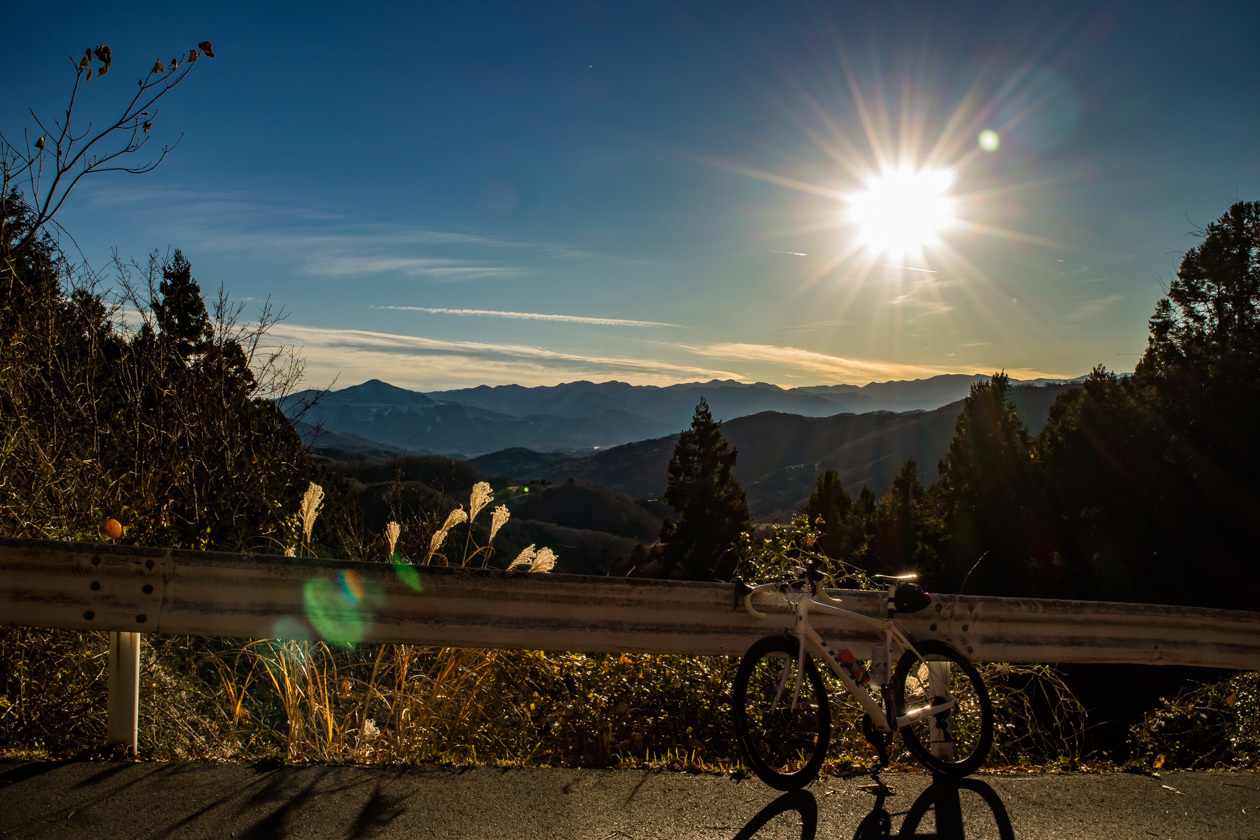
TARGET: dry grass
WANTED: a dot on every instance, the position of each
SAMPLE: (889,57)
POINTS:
(299,701)
(302,701)
(1205,726)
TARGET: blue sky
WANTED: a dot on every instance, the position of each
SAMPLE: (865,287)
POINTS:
(451,194)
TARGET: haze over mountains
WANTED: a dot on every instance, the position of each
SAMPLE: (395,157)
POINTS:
(578,416)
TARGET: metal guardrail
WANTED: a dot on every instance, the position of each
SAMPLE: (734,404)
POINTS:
(132,590)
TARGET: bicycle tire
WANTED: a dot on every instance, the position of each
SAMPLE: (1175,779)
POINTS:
(951,818)
(785,746)
(967,735)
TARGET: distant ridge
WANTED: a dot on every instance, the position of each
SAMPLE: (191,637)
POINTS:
(581,417)
(780,455)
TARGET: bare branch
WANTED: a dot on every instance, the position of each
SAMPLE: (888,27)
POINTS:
(69,156)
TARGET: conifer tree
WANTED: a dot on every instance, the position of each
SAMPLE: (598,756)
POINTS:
(988,486)
(827,510)
(905,530)
(703,542)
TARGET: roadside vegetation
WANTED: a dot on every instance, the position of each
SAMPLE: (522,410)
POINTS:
(140,410)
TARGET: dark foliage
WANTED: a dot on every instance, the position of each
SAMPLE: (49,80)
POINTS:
(703,542)
(167,431)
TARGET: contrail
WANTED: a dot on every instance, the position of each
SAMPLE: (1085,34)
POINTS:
(530,316)
(908,268)
(791,253)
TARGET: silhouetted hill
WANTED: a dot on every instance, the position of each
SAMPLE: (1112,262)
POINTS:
(325,440)
(646,410)
(382,414)
(781,455)
(520,463)
(590,507)
(578,417)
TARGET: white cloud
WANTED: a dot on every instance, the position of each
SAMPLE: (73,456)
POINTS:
(352,356)
(795,362)
(410,266)
(531,316)
(822,365)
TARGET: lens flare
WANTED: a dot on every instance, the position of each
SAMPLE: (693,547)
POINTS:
(408,574)
(341,609)
(351,585)
(989,140)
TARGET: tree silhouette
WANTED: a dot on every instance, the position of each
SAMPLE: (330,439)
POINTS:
(1199,377)
(1200,364)
(827,511)
(49,160)
(905,532)
(987,484)
(1205,335)
(703,542)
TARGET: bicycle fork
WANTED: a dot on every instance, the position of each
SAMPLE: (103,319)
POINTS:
(783,678)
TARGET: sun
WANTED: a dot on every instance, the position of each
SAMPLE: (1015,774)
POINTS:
(904,211)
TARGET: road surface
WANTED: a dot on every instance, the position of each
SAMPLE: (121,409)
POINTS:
(220,801)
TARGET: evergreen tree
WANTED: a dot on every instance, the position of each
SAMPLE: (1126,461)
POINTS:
(1146,472)
(1205,336)
(988,486)
(860,532)
(827,509)
(169,432)
(179,312)
(1200,382)
(1107,498)
(905,539)
(703,542)
(1200,372)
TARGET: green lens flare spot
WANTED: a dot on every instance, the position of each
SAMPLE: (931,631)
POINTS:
(341,609)
(408,574)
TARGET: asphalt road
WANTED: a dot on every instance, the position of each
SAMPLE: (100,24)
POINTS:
(152,800)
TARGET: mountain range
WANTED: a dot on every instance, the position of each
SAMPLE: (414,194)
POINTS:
(579,417)
(780,456)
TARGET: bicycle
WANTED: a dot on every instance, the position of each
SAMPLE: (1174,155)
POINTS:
(935,697)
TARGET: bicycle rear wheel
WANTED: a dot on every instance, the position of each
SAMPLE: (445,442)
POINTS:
(784,727)
(954,742)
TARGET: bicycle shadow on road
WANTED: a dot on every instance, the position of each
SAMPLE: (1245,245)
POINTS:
(944,800)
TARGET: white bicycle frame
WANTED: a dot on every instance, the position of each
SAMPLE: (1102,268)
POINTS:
(813,643)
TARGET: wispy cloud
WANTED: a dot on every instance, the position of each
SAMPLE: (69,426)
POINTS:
(531,316)
(1089,309)
(352,356)
(408,266)
(795,362)
(910,268)
(327,243)
(822,365)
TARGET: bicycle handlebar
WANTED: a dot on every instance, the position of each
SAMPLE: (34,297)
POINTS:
(810,576)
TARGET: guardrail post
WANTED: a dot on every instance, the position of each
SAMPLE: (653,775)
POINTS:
(124,689)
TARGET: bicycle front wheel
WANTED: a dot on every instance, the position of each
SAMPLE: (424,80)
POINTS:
(784,725)
(956,740)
